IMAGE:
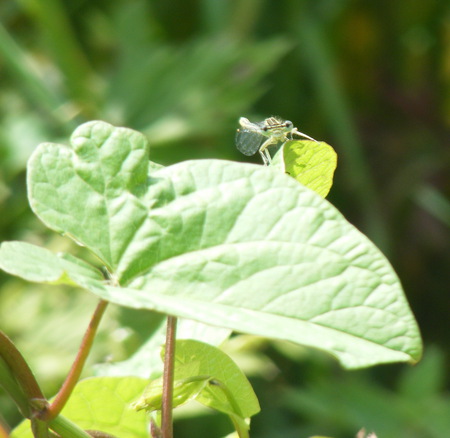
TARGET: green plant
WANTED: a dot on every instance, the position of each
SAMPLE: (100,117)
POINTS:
(229,245)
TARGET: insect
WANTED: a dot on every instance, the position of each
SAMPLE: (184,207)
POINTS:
(254,137)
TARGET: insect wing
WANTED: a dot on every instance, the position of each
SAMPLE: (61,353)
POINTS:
(246,124)
(248,141)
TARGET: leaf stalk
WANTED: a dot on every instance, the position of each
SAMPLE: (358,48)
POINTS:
(77,366)
(168,376)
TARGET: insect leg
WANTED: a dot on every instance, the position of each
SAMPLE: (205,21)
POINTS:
(264,151)
(265,156)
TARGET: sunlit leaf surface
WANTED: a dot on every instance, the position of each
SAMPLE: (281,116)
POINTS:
(228,244)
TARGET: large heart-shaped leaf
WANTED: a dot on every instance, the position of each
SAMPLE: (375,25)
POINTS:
(230,244)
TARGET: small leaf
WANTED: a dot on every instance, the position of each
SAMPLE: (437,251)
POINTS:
(311,163)
(184,390)
(208,375)
(229,390)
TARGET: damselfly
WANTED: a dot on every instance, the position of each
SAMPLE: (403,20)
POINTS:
(254,137)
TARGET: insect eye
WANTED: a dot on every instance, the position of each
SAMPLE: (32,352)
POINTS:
(288,124)
(266,128)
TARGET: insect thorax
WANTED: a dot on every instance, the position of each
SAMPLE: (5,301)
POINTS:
(276,127)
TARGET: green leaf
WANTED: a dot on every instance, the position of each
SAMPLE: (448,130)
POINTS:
(208,375)
(194,358)
(103,403)
(311,163)
(353,350)
(227,244)
(184,390)
(40,265)
(193,388)
(94,191)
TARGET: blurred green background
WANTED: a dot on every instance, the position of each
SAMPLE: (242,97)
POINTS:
(370,78)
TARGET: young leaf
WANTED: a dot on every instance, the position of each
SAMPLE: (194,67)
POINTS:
(208,375)
(229,391)
(184,390)
(311,163)
(103,403)
(227,244)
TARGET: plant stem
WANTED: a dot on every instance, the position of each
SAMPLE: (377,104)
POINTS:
(65,428)
(39,428)
(22,373)
(9,383)
(155,431)
(77,367)
(169,362)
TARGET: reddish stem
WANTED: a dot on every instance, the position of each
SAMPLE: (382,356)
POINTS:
(77,366)
(169,362)
(155,431)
